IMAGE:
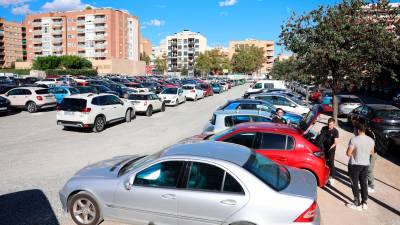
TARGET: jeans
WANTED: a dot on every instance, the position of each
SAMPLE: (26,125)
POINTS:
(358,174)
(330,161)
(371,177)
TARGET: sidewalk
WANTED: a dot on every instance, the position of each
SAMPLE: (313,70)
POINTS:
(383,205)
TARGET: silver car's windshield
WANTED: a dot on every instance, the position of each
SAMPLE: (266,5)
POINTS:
(136,163)
(272,174)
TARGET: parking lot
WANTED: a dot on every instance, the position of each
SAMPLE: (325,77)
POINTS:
(37,157)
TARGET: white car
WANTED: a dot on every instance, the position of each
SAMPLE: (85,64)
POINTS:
(193,92)
(51,82)
(266,84)
(147,102)
(224,85)
(93,111)
(31,98)
(173,96)
(284,102)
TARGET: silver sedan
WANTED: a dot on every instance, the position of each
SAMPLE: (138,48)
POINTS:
(192,184)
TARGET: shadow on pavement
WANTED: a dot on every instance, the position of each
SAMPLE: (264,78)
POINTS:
(29,207)
(337,194)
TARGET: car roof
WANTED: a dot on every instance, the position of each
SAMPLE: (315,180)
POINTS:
(381,106)
(143,93)
(233,153)
(267,126)
(242,112)
(248,100)
(87,95)
(271,94)
(31,88)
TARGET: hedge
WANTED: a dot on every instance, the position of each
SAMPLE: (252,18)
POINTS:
(15,71)
(81,72)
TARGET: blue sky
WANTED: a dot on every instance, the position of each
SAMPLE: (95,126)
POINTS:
(219,20)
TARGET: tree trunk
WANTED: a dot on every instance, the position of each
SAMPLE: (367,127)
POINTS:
(335,104)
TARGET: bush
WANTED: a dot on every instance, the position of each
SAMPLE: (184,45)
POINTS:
(58,62)
(74,72)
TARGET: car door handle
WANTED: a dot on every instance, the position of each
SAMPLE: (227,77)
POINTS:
(228,202)
(168,196)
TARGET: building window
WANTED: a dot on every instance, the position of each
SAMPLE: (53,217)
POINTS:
(70,36)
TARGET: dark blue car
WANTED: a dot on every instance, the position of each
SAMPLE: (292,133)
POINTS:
(216,88)
(254,104)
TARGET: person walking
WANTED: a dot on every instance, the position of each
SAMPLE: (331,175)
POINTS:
(359,150)
(330,135)
(278,118)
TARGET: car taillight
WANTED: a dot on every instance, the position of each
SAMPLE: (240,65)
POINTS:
(377,120)
(308,215)
(86,110)
(319,154)
(193,91)
(40,98)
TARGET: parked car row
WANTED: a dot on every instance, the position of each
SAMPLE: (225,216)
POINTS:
(241,170)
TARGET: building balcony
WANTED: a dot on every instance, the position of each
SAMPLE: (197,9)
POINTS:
(80,22)
(36,24)
(80,30)
(57,40)
(58,23)
(81,46)
(57,32)
(37,40)
(57,48)
(99,20)
(1,32)
(100,54)
(37,49)
(99,37)
(100,28)
(100,46)
(37,32)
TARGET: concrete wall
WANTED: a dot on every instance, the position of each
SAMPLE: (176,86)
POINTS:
(120,66)
(23,65)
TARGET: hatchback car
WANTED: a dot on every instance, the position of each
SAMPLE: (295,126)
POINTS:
(384,120)
(208,91)
(348,103)
(93,111)
(284,144)
(223,119)
(285,102)
(191,184)
(173,96)
(147,102)
(217,88)
(255,104)
(193,91)
(31,98)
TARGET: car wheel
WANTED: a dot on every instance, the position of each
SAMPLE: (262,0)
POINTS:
(163,108)
(149,111)
(84,210)
(99,124)
(31,107)
(128,115)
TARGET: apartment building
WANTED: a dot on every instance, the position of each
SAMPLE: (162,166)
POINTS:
(268,47)
(145,46)
(182,50)
(96,34)
(11,43)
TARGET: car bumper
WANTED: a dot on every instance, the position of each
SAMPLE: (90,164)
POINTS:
(48,105)
(66,123)
(4,109)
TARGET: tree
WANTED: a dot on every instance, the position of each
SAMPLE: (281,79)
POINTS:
(74,62)
(203,63)
(248,59)
(343,41)
(145,57)
(184,71)
(46,62)
(161,64)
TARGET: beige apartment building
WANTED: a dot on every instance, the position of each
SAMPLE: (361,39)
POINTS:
(145,46)
(268,47)
(12,43)
(96,34)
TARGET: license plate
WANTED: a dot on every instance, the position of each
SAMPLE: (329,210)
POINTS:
(68,113)
(49,96)
(3,108)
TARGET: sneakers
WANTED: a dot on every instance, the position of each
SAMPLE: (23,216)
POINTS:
(331,181)
(371,190)
(364,206)
(355,207)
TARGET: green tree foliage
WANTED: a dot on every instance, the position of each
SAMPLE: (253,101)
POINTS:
(343,41)
(212,62)
(248,59)
(161,64)
(145,57)
(203,63)
(61,62)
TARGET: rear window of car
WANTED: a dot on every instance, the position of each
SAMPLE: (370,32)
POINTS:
(138,97)
(188,87)
(388,114)
(73,104)
(172,91)
(272,174)
(350,100)
(42,91)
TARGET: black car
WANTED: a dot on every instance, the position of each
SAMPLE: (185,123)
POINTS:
(104,89)
(4,105)
(384,120)
(86,89)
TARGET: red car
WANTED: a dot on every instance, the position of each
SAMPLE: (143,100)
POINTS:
(283,144)
(207,89)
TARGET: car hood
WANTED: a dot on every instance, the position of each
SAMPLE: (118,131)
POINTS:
(106,168)
(167,96)
(302,184)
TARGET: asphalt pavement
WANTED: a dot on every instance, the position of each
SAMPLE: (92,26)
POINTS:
(37,157)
